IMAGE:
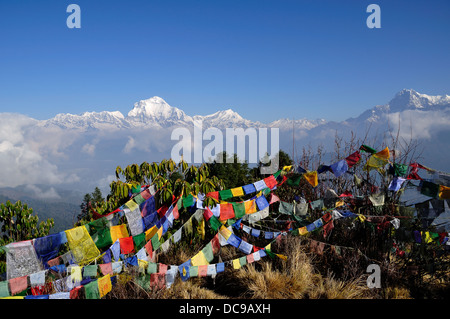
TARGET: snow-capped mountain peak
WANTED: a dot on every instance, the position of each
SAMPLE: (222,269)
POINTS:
(155,108)
(410,99)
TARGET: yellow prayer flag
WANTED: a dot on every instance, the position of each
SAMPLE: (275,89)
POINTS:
(250,206)
(384,154)
(142,265)
(238,191)
(132,205)
(159,232)
(199,259)
(444,192)
(81,244)
(118,231)
(149,233)
(311,177)
(287,168)
(236,263)
(362,218)
(104,285)
(225,232)
(268,246)
(281,256)
(340,203)
(75,274)
(302,230)
(201,229)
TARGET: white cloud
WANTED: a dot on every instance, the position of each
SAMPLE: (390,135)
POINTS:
(419,124)
(88,149)
(35,191)
(21,161)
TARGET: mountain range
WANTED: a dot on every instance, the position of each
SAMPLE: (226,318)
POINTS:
(156,113)
(82,151)
(53,162)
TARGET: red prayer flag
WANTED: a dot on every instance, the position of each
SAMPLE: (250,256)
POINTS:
(149,248)
(270,181)
(214,195)
(18,284)
(75,293)
(226,211)
(202,270)
(175,212)
(207,213)
(126,245)
(352,159)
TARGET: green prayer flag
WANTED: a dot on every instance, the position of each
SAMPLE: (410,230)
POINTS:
(269,253)
(277,174)
(139,241)
(367,149)
(90,271)
(152,268)
(286,208)
(193,271)
(144,281)
(400,169)
(188,201)
(294,180)
(317,204)
(136,189)
(239,209)
(429,189)
(96,225)
(139,199)
(225,194)
(215,223)
(91,290)
(4,290)
(243,260)
(208,252)
(155,242)
(102,238)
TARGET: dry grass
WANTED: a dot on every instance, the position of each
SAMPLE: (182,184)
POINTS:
(294,278)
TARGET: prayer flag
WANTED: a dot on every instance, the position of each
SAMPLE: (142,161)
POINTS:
(237,191)
(311,177)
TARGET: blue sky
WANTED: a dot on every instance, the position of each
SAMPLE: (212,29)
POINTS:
(264,59)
